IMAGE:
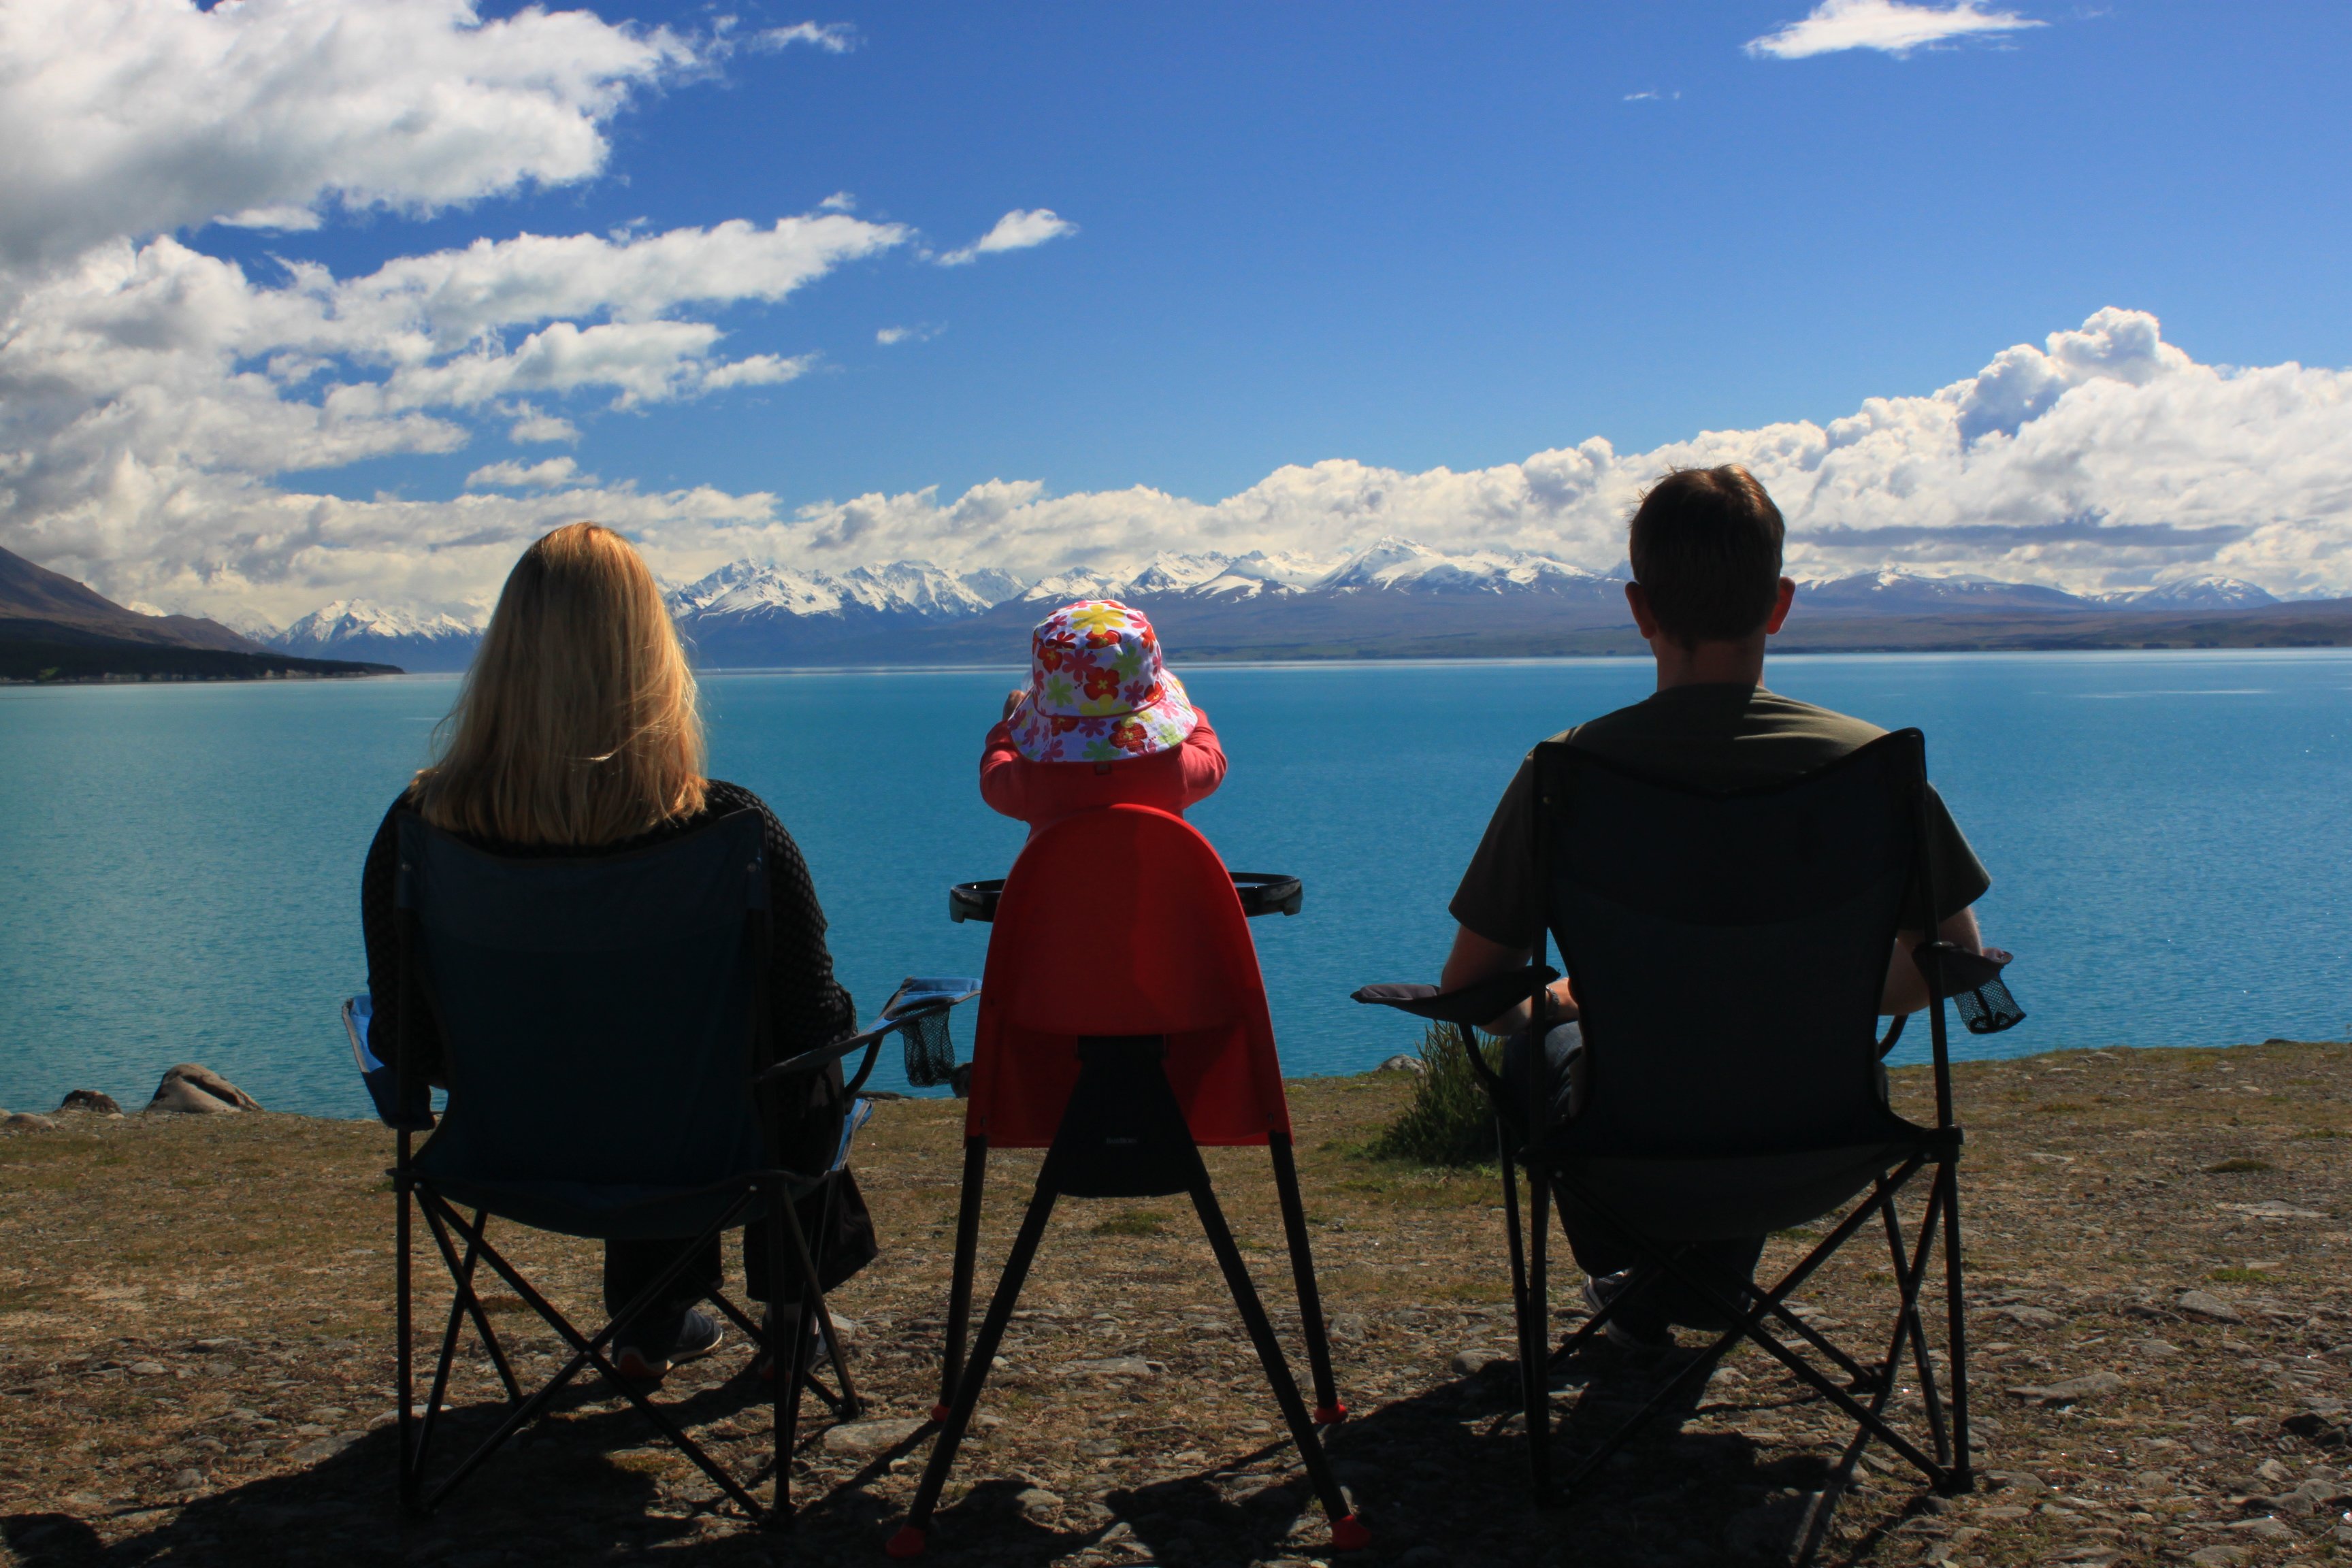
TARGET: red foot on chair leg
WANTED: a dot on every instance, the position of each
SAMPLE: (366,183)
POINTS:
(909,1543)
(1349,1534)
(940,1413)
(1332,1414)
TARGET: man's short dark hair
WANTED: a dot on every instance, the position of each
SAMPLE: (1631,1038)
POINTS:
(1706,547)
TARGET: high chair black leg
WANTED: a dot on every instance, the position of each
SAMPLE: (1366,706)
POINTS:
(1347,1533)
(1328,1410)
(967,1247)
(915,1533)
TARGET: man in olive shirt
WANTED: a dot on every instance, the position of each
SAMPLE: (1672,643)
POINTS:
(1707,590)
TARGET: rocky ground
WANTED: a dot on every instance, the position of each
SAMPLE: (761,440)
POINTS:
(194,1358)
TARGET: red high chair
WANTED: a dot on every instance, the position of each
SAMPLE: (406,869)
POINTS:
(1122,1025)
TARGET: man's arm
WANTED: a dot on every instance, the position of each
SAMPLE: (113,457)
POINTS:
(1906,989)
(1474,958)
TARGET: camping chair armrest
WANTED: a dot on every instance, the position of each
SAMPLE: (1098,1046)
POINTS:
(1470,1005)
(817,1060)
(1959,970)
(1466,1007)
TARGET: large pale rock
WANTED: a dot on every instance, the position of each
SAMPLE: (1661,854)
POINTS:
(866,1437)
(26,1122)
(198,1090)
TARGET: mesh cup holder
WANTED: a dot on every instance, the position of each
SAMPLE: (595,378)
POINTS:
(931,1052)
(1989,1008)
(1976,990)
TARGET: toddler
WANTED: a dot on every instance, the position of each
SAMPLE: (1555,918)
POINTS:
(1101,722)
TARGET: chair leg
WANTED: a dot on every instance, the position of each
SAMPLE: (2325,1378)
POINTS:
(848,1408)
(967,1247)
(915,1533)
(1348,1533)
(1947,1182)
(402,1372)
(1748,1320)
(1908,1273)
(587,1352)
(1328,1410)
(784,1385)
(1534,1364)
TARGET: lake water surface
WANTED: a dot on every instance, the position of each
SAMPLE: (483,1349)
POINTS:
(2168,835)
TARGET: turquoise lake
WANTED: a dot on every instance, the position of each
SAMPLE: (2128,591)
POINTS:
(2168,835)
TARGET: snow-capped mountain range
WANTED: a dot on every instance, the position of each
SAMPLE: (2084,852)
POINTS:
(750,613)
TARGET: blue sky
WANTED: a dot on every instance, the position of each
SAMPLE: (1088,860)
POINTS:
(1409,236)
(1417,236)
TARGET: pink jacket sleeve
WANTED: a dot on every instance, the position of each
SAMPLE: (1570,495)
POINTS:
(1204,762)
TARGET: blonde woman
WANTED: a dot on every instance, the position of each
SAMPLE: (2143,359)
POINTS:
(576,735)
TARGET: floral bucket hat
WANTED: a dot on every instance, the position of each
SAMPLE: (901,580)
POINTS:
(1097,690)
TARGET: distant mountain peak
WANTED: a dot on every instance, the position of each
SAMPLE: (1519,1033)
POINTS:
(2194,593)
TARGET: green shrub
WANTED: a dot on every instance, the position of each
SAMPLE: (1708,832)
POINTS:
(1449,1122)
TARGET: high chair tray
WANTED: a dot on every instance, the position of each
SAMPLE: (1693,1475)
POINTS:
(1261,894)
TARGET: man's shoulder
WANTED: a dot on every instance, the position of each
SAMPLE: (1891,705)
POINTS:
(1723,734)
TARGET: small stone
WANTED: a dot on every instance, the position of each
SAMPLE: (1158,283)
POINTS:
(326,1447)
(1113,1366)
(2265,1529)
(2273,1471)
(95,1100)
(2218,1556)
(1471,1362)
(2204,1304)
(2028,1316)
(2154,1350)
(2090,1385)
(26,1122)
(1413,1065)
(147,1368)
(1035,1500)
(863,1438)
(188,1481)
(2024,1481)
(191,1089)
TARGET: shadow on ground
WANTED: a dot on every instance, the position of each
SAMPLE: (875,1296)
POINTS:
(1440,1478)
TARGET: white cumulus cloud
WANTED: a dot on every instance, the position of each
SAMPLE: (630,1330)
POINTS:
(134,117)
(1891,27)
(544,476)
(2102,457)
(1014,231)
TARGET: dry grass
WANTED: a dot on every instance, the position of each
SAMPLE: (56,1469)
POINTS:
(194,1356)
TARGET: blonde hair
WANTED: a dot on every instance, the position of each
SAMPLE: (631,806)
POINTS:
(577,723)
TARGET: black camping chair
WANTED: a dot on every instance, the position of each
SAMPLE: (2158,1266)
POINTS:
(1728,950)
(599,1018)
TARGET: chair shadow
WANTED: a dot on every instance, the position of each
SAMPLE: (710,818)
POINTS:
(1445,1469)
(561,1488)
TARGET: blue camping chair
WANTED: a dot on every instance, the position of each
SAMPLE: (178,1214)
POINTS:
(599,1020)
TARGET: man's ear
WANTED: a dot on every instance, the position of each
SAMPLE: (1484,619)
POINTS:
(1645,621)
(1781,602)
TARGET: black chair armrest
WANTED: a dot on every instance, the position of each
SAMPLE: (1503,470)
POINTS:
(823,1057)
(1468,1005)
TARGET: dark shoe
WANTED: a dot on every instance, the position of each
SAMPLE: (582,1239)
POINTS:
(1629,1328)
(697,1336)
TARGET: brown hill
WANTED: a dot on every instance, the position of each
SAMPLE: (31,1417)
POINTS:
(37,604)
